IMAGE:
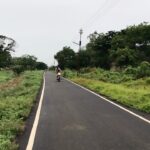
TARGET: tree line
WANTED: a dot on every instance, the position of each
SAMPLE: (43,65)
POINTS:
(17,64)
(114,49)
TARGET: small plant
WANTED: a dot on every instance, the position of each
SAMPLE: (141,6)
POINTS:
(18,69)
(69,73)
(16,102)
(148,81)
(143,70)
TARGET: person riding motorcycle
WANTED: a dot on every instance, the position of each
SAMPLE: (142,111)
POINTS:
(58,72)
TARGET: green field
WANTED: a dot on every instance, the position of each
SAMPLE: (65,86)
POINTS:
(5,76)
(119,87)
(17,97)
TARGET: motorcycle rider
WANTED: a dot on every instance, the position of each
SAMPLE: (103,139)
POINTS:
(58,71)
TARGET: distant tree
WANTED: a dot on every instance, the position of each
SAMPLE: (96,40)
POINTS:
(98,48)
(82,59)
(6,46)
(52,67)
(124,57)
(136,38)
(128,47)
(41,66)
(5,59)
(66,58)
(27,62)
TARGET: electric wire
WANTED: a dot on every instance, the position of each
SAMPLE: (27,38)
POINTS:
(102,11)
(93,15)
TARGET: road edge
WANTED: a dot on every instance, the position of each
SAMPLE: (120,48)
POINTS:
(36,120)
(111,102)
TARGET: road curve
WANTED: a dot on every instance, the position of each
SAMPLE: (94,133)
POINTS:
(72,118)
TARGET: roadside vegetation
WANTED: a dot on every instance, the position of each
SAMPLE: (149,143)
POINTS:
(17,96)
(115,64)
(20,81)
(121,87)
(115,50)
(6,76)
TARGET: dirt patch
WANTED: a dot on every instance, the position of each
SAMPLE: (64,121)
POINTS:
(10,84)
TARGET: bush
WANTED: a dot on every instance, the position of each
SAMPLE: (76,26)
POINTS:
(105,75)
(148,81)
(88,69)
(130,70)
(128,74)
(69,73)
(143,70)
(18,69)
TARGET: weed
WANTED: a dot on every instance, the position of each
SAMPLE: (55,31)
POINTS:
(16,101)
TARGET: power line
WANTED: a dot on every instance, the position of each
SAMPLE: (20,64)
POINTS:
(103,12)
(100,13)
(100,9)
(90,18)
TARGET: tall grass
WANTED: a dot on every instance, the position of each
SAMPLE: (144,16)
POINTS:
(15,105)
(5,76)
(99,74)
(118,86)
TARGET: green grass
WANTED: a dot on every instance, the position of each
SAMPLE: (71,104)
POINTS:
(15,105)
(117,86)
(5,76)
(99,74)
(132,94)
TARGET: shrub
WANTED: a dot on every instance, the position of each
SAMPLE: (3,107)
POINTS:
(130,70)
(69,73)
(18,69)
(143,70)
(148,81)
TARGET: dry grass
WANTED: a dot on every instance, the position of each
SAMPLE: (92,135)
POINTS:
(11,83)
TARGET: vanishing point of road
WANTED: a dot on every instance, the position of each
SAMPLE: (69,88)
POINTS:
(72,118)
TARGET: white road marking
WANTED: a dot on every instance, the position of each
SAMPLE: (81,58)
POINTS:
(113,103)
(36,121)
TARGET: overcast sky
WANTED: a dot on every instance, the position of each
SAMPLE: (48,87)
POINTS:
(43,27)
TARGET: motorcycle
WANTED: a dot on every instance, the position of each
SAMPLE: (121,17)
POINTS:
(58,76)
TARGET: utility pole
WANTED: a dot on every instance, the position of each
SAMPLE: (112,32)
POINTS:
(80,42)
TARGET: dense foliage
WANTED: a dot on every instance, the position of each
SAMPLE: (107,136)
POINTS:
(118,50)
(6,46)
(66,58)
(17,64)
(41,66)
(130,73)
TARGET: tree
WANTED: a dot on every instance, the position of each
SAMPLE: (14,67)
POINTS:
(5,59)
(98,49)
(27,62)
(6,46)
(124,57)
(41,66)
(66,58)
(130,46)
(136,38)
(82,59)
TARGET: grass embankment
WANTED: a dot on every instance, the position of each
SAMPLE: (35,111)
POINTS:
(122,88)
(16,100)
(5,76)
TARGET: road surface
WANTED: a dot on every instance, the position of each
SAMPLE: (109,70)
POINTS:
(72,118)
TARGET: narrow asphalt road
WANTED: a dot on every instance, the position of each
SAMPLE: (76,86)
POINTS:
(73,119)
